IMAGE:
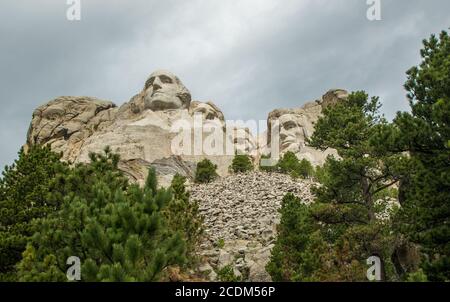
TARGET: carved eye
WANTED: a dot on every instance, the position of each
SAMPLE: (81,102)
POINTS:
(288,126)
(165,79)
(149,82)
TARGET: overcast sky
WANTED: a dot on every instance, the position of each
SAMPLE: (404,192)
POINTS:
(247,56)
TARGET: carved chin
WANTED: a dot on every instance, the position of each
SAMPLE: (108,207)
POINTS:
(162,102)
(290,146)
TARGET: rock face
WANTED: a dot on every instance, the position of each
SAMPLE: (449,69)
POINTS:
(297,125)
(146,131)
(241,212)
(140,131)
(66,122)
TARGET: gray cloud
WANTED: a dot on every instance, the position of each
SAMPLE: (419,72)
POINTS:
(248,56)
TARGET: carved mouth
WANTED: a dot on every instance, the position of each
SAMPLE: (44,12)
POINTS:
(163,105)
(288,141)
(156,93)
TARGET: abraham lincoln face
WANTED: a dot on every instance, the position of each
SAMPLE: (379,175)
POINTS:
(292,133)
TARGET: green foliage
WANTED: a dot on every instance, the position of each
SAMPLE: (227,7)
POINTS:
(220,243)
(24,190)
(320,174)
(117,230)
(226,274)
(152,181)
(290,164)
(183,215)
(305,168)
(424,133)
(350,186)
(418,276)
(387,193)
(331,240)
(363,171)
(291,257)
(206,172)
(241,163)
(372,160)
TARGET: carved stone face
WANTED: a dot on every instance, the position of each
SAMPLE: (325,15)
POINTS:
(163,90)
(206,110)
(292,133)
(243,141)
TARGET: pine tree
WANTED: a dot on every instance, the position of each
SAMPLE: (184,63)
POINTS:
(24,196)
(292,258)
(347,198)
(241,163)
(305,168)
(183,216)
(425,135)
(152,181)
(117,230)
(288,163)
(206,171)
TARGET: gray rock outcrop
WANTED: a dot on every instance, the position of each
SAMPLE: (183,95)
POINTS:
(296,126)
(142,132)
(67,122)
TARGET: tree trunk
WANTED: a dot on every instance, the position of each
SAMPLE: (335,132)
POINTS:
(367,196)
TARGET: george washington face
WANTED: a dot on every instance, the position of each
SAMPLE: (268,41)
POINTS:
(163,90)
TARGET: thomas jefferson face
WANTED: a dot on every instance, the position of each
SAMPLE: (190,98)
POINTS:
(163,90)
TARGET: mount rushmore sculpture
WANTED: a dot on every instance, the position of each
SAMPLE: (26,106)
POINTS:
(142,132)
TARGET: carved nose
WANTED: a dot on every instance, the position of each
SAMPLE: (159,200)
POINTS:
(157,84)
(283,133)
